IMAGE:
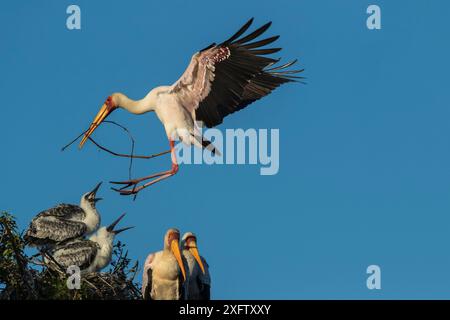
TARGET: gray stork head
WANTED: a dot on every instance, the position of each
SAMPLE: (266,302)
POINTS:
(90,197)
(189,242)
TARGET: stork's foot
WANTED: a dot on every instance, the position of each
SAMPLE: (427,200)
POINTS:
(134,183)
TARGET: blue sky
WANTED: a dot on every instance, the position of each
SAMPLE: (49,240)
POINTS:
(364,146)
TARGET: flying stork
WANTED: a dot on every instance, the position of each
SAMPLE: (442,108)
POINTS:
(199,285)
(90,255)
(220,79)
(164,276)
(65,222)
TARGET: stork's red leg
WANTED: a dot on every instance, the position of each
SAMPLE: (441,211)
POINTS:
(156,177)
(131,182)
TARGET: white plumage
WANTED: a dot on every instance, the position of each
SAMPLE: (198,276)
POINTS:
(164,276)
(220,80)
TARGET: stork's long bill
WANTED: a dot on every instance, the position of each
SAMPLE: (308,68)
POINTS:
(194,251)
(104,112)
(176,252)
(111,227)
(93,193)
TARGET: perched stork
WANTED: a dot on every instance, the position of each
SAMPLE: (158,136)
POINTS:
(164,276)
(199,285)
(90,255)
(220,79)
(65,222)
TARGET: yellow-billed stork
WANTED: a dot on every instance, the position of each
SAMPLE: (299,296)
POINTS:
(220,79)
(164,276)
(199,285)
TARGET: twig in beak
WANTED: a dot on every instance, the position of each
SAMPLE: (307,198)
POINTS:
(131,156)
(73,141)
(126,155)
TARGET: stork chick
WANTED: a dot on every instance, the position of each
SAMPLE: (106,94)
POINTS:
(90,255)
(199,286)
(65,222)
(164,275)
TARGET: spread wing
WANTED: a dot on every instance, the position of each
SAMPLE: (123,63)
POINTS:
(222,79)
(56,224)
(77,252)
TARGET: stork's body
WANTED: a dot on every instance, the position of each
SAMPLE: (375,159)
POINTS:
(164,276)
(90,255)
(176,120)
(220,80)
(199,286)
(65,222)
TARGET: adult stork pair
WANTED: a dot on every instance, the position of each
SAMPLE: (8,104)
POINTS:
(173,275)
(220,80)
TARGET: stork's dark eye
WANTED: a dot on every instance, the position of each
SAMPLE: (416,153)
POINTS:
(174,236)
(189,239)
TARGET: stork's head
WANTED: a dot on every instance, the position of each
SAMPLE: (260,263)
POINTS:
(111,103)
(189,242)
(90,198)
(171,242)
(108,233)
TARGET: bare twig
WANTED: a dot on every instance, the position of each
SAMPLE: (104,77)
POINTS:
(131,156)
(135,269)
(99,292)
(128,155)
(38,263)
(58,268)
(105,282)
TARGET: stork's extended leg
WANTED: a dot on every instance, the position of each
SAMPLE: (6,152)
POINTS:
(126,190)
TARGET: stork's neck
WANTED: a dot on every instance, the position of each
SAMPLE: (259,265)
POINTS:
(103,257)
(92,218)
(147,104)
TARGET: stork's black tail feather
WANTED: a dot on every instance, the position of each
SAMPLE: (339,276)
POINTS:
(206,144)
(209,146)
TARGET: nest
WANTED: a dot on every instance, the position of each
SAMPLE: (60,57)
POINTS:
(23,277)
